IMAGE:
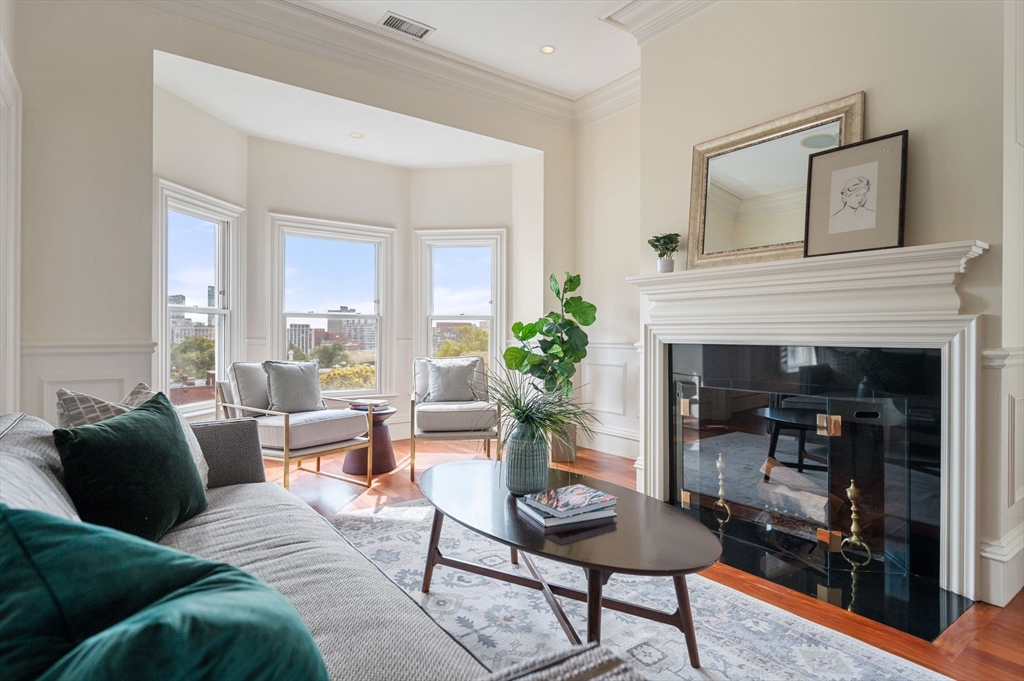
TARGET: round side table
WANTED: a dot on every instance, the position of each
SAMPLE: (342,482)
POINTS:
(383,453)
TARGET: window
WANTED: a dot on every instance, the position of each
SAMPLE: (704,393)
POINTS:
(331,284)
(198,314)
(463,280)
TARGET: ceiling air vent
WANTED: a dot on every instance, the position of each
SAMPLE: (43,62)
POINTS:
(397,22)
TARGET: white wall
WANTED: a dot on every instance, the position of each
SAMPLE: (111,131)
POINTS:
(7,28)
(87,77)
(607,234)
(453,198)
(196,150)
(527,255)
(933,68)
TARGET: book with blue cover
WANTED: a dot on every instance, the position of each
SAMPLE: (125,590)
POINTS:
(565,502)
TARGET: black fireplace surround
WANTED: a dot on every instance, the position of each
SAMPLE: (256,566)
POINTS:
(765,443)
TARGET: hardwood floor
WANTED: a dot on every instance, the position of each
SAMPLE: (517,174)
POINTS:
(985,644)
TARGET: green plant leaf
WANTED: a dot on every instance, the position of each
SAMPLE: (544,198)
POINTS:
(553,283)
(514,357)
(527,332)
(545,344)
(533,359)
(585,313)
(565,369)
(577,337)
(572,282)
(517,329)
(555,350)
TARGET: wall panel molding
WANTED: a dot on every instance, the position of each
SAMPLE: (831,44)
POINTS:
(1015,448)
(10,236)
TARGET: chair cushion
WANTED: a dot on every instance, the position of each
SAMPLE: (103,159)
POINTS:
(79,409)
(249,385)
(312,428)
(436,417)
(133,472)
(294,387)
(421,376)
(87,602)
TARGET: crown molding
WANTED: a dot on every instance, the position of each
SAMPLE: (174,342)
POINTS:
(307,28)
(609,99)
(648,19)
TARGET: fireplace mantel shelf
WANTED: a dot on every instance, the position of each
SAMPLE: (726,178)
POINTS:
(916,280)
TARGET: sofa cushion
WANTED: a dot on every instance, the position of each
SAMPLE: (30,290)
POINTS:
(365,626)
(249,385)
(312,428)
(31,475)
(432,417)
(79,409)
(294,387)
(87,602)
(133,472)
(421,376)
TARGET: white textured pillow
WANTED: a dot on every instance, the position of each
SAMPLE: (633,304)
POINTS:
(78,409)
(451,380)
(294,387)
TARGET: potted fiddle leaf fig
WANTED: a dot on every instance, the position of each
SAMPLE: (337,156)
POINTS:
(666,246)
(551,347)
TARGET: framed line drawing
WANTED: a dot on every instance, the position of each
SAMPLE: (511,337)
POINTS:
(856,196)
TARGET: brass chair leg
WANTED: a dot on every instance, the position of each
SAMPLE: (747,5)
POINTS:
(487,447)
(412,459)
(318,464)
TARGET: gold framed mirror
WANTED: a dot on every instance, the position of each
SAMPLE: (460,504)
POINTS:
(748,191)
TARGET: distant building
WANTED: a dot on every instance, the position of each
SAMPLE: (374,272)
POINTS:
(180,332)
(301,336)
(361,331)
(177,318)
(211,299)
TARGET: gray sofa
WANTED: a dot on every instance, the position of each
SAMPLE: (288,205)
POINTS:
(365,626)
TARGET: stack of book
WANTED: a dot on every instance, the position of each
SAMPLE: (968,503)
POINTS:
(364,405)
(568,506)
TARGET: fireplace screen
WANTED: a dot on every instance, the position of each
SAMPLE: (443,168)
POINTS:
(823,479)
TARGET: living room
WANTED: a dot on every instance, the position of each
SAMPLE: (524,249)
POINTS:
(305,135)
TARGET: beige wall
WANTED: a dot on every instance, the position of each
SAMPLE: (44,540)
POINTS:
(196,150)
(86,72)
(527,250)
(7,28)
(608,223)
(933,68)
(450,198)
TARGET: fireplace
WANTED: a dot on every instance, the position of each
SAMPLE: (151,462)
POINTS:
(775,447)
(901,300)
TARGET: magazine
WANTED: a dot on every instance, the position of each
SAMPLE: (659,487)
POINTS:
(569,501)
(547,520)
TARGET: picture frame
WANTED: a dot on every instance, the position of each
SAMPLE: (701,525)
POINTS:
(856,196)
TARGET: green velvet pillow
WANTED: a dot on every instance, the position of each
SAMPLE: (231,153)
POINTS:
(133,472)
(87,602)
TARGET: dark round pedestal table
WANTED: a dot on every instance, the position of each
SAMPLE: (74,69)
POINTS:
(383,453)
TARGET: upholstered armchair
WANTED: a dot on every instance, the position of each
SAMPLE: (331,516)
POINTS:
(295,436)
(449,402)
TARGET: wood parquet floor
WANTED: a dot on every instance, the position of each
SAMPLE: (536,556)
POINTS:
(985,644)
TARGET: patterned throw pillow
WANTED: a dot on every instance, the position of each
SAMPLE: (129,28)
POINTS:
(78,409)
(294,387)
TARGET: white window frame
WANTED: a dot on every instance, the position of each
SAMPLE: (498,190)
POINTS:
(426,240)
(231,280)
(383,238)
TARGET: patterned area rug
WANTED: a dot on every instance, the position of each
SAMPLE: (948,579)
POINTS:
(738,637)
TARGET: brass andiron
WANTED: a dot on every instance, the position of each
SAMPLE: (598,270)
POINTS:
(854,540)
(721,502)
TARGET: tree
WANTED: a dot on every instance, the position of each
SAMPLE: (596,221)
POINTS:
(469,340)
(297,353)
(330,355)
(194,355)
(355,377)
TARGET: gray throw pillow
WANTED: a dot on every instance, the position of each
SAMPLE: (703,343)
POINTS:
(78,409)
(294,386)
(249,383)
(451,380)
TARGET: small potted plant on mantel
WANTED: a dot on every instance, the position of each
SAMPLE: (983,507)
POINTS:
(666,245)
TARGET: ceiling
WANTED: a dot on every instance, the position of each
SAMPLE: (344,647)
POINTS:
(507,35)
(285,113)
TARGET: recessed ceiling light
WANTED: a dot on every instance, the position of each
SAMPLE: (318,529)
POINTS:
(547,49)
(356,135)
(819,141)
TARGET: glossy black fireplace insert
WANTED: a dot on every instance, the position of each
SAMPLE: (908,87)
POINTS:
(777,448)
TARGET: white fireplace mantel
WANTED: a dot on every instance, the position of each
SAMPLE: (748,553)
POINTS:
(903,297)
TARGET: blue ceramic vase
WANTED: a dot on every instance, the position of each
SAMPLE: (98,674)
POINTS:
(526,462)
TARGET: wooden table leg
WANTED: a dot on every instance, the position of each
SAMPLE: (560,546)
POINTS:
(771,448)
(683,596)
(515,556)
(432,552)
(595,585)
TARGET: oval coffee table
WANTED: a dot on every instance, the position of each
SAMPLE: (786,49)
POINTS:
(648,537)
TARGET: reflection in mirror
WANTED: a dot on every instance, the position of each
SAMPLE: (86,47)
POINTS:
(757,195)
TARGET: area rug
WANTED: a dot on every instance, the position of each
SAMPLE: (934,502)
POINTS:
(501,624)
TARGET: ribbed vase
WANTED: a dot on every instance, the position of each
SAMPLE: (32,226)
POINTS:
(526,462)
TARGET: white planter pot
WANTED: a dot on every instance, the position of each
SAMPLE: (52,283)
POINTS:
(666,265)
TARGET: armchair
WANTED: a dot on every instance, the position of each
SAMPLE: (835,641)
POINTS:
(474,419)
(300,436)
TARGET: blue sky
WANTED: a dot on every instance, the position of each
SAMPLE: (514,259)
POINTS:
(323,274)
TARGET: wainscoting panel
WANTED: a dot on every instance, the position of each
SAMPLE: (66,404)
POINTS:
(104,369)
(609,386)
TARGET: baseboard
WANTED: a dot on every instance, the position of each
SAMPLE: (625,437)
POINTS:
(615,441)
(1001,568)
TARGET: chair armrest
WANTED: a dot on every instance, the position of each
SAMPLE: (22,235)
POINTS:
(232,450)
(265,412)
(335,399)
